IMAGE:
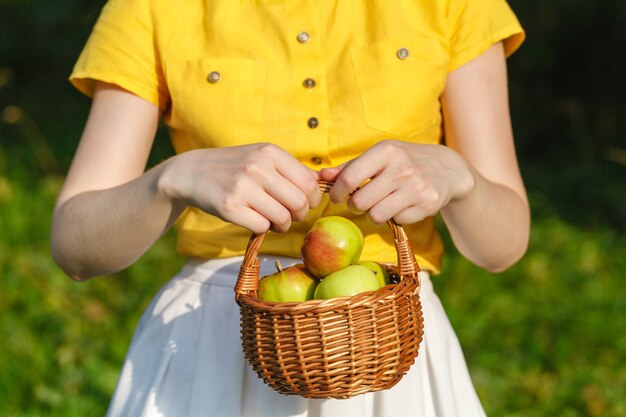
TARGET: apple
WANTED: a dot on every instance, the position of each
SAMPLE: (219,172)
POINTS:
(379,270)
(349,281)
(292,284)
(332,243)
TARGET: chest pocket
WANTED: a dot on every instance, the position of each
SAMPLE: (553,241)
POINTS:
(400,82)
(218,102)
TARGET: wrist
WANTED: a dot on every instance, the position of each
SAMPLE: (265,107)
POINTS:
(165,184)
(466,180)
(467,184)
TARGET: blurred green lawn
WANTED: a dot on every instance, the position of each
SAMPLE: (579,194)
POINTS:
(545,338)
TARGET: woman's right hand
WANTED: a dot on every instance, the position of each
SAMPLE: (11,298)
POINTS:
(110,210)
(258,186)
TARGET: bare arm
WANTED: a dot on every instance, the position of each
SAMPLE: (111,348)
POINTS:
(110,211)
(490,225)
(92,233)
(474,182)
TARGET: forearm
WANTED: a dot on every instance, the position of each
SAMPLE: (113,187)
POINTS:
(254,186)
(489,225)
(103,231)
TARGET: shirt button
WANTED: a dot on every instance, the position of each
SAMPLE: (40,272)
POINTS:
(403,53)
(316,160)
(303,37)
(309,83)
(313,122)
(213,77)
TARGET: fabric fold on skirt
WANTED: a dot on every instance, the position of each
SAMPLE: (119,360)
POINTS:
(185,360)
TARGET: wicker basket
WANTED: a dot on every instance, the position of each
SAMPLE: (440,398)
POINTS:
(335,348)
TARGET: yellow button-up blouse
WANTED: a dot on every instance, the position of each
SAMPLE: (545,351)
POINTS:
(323,79)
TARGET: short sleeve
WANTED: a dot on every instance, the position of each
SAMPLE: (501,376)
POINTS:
(122,50)
(475,25)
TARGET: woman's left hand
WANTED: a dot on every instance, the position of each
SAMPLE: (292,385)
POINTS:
(474,181)
(407,182)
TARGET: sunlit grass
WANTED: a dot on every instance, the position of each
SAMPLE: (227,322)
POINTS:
(63,342)
(546,338)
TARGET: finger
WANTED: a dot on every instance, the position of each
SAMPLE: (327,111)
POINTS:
(354,174)
(277,214)
(401,207)
(388,207)
(250,219)
(411,215)
(314,174)
(290,196)
(315,197)
(372,193)
(331,174)
(301,176)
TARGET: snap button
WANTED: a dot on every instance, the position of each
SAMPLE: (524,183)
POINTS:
(313,122)
(316,160)
(403,53)
(309,83)
(303,37)
(213,77)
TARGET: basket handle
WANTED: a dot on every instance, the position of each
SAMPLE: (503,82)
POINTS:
(248,278)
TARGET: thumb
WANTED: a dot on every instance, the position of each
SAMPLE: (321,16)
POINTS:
(331,174)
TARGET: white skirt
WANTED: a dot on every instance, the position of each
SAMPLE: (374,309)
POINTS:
(185,360)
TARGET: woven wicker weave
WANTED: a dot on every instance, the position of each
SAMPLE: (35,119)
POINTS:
(335,348)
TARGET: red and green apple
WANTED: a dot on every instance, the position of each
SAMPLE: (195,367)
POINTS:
(292,284)
(332,243)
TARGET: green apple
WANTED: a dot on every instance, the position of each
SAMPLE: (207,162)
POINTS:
(349,281)
(379,270)
(292,284)
(332,243)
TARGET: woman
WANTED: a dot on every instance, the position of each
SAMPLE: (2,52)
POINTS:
(263,99)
